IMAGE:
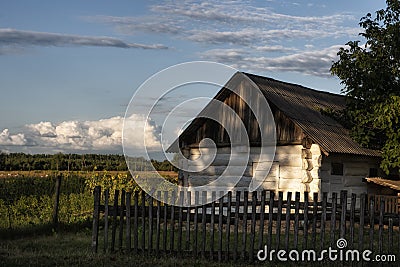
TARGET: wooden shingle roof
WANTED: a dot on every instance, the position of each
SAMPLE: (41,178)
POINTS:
(303,106)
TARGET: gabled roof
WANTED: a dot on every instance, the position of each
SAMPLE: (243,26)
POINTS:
(303,106)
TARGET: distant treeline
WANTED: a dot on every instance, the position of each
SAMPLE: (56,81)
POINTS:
(77,162)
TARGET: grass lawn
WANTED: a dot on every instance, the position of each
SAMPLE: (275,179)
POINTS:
(72,248)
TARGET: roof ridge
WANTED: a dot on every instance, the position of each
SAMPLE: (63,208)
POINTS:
(292,84)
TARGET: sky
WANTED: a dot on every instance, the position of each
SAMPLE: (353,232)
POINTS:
(68,69)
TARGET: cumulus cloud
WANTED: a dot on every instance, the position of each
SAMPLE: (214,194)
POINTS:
(7,139)
(103,135)
(12,39)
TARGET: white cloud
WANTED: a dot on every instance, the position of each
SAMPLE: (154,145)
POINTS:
(316,62)
(251,35)
(7,139)
(12,40)
(234,20)
(103,135)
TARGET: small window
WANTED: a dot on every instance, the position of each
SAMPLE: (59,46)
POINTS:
(373,172)
(337,169)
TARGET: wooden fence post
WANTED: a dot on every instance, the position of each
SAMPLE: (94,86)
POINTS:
(121,221)
(279,221)
(195,222)
(106,211)
(244,226)
(253,224)
(96,218)
(287,222)
(114,222)
(262,221)
(314,219)
(343,206)
(371,223)
(323,219)
(220,224)
(128,221)
(380,232)
(136,222)
(363,198)
(212,224)
(305,220)
(270,218)
(57,193)
(296,220)
(158,221)
(352,215)
(333,219)
(236,227)
(228,224)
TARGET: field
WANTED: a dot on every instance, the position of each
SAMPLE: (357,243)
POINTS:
(28,237)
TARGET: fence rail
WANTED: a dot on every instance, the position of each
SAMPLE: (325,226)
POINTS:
(240,224)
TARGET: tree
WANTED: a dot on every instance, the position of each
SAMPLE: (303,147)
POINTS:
(370,75)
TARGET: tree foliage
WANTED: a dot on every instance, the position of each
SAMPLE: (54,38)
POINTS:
(370,73)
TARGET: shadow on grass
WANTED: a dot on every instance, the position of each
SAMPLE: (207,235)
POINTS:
(43,230)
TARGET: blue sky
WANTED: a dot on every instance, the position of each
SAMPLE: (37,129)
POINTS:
(69,68)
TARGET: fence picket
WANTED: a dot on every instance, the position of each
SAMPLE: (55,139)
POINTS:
(305,221)
(212,224)
(150,238)
(143,212)
(343,207)
(228,224)
(390,235)
(96,218)
(352,216)
(380,231)
(287,221)
(158,223)
(333,219)
(296,219)
(244,226)
(121,221)
(203,224)
(128,221)
(270,218)
(181,225)
(361,222)
(371,224)
(114,222)
(136,222)
(236,227)
(180,221)
(106,211)
(253,224)
(195,222)
(220,224)
(165,221)
(314,219)
(188,208)
(278,220)
(323,219)
(262,218)
(172,224)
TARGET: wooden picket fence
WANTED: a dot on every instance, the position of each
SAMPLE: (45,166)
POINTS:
(236,226)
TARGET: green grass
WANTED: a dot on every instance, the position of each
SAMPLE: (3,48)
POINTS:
(39,246)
